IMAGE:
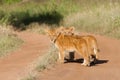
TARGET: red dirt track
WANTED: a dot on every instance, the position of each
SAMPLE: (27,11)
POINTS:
(14,66)
(107,68)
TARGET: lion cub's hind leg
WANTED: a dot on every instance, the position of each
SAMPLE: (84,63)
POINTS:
(84,53)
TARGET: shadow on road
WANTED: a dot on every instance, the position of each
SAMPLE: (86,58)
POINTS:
(81,61)
(72,60)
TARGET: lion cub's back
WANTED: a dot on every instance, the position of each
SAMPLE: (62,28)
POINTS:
(71,42)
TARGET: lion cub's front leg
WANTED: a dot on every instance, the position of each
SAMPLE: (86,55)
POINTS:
(61,56)
(86,62)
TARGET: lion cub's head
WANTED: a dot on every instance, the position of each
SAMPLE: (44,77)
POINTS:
(67,30)
(52,33)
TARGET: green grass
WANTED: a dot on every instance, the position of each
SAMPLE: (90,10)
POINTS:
(103,18)
(9,1)
(49,12)
(98,16)
(8,43)
(21,15)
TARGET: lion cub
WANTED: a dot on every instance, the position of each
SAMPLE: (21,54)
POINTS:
(91,41)
(69,43)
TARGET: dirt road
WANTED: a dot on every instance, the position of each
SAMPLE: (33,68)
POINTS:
(107,68)
(15,65)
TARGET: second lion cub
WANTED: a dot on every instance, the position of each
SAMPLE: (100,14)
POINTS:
(91,40)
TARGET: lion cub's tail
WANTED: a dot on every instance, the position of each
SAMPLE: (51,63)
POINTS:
(96,50)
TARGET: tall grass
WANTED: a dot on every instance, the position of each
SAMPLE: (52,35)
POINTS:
(8,41)
(97,16)
(50,12)
(20,15)
(103,18)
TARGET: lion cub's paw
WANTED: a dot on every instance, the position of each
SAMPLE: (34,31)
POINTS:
(84,64)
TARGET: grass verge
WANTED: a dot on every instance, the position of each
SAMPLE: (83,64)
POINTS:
(8,41)
(48,59)
(30,77)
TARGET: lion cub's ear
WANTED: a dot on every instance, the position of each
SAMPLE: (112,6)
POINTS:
(61,28)
(72,28)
